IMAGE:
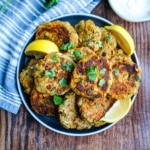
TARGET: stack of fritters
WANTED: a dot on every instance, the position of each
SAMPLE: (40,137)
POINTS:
(90,72)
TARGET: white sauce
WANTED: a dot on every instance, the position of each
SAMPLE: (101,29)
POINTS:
(135,10)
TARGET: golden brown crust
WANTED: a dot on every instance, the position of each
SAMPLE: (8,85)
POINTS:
(126,78)
(94,110)
(59,32)
(26,76)
(89,34)
(43,103)
(91,77)
(52,74)
(79,53)
(68,113)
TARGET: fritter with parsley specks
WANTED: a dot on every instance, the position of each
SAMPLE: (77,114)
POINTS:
(61,33)
(68,113)
(126,78)
(52,74)
(89,34)
(107,44)
(91,77)
(43,103)
(79,53)
(94,110)
(26,76)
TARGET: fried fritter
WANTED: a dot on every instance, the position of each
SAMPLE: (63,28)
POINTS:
(94,110)
(26,76)
(91,77)
(89,34)
(68,113)
(52,74)
(43,103)
(59,32)
(79,53)
(126,78)
(107,44)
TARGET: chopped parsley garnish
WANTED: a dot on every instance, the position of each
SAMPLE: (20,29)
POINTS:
(63,82)
(47,102)
(51,73)
(58,100)
(100,44)
(101,82)
(137,78)
(102,71)
(77,54)
(67,46)
(46,35)
(116,72)
(96,106)
(68,67)
(107,38)
(50,3)
(55,58)
(92,77)
(91,71)
(42,74)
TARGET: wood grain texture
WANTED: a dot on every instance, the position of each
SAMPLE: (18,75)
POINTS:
(22,132)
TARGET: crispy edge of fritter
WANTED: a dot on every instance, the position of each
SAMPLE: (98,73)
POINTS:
(63,32)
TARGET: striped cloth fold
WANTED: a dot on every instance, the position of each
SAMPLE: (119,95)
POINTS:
(18,21)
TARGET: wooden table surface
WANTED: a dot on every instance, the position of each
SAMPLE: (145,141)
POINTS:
(22,132)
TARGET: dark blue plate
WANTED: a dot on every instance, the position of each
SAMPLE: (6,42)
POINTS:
(51,122)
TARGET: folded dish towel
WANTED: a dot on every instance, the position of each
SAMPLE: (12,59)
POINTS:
(18,20)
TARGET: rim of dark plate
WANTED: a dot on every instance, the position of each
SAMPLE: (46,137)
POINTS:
(70,132)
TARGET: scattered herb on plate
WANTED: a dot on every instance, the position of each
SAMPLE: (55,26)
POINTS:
(50,3)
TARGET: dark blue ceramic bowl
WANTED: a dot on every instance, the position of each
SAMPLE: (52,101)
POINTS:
(51,122)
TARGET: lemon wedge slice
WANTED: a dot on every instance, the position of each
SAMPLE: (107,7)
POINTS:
(39,48)
(118,110)
(124,39)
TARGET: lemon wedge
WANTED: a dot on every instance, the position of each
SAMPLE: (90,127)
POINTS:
(124,39)
(39,48)
(118,110)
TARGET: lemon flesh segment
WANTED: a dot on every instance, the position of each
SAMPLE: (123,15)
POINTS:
(40,48)
(119,109)
(124,39)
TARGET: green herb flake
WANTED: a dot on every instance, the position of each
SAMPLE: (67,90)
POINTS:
(58,100)
(92,77)
(91,71)
(77,54)
(46,34)
(67,46)
(63,82)
(47,102)
(107,38)
(101,82)
(102,71)
(55,58)
(116,72)
(68,67)
(137,78)
(96,106)
(42,74)
(51,73)
(50,3)
(100,44)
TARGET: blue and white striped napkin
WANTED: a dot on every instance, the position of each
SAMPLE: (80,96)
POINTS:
(17,23)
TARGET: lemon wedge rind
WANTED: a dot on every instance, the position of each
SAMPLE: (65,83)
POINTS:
(124,39)
(118,111)
(40,47)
